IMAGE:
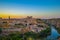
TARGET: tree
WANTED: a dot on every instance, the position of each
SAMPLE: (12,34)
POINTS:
(0,30)
(46,32)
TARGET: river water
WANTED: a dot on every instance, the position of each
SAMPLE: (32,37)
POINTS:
(54,34)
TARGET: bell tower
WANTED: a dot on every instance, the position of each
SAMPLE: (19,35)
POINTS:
(9,17)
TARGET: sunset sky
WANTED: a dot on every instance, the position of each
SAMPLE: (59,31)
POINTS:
(35,8)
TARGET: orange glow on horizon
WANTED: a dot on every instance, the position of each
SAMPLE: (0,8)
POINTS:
(12,16)
(6,16)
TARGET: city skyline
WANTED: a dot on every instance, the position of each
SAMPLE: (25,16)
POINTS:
(35,8)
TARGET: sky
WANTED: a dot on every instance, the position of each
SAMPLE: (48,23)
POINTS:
(35,8)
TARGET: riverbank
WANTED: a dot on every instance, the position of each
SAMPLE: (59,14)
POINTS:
(58,29)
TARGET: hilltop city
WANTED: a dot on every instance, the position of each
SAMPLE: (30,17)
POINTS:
(22,25)
(28,26)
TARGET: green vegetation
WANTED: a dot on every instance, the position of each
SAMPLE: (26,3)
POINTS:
(27,36)
(45,33)
(58,29)
(12,36)
(0,30)
(58,37)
